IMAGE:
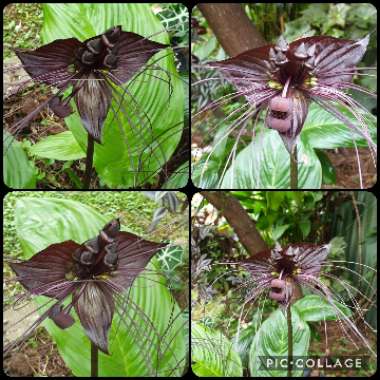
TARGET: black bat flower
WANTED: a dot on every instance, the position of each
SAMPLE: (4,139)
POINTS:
(283,78)
(89,69)
(91,273)
(294,264)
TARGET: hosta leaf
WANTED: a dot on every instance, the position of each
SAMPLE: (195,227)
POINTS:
(61,146)
(134,342)
(271,341)
(265,163)
(212,354)
(323,130)
(19,172)
(328,170)
(313,308)
(179,178)
(142,136)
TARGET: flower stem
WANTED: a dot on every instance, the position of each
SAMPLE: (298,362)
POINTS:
(294,168)
(94,360)
(290,339)
(89,159)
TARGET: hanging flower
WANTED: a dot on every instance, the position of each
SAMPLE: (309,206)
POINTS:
(91,69)
(294,264)
(92,273)
(284,78)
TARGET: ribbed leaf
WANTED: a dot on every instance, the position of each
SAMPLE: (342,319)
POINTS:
(179,178)
(19,172)
(313,308)
(134,345)
(212,354)
(322,130)
(61,146)
(265,163)
(271,340)
(134,146)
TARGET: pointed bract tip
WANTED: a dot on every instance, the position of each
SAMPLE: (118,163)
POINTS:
(282,44)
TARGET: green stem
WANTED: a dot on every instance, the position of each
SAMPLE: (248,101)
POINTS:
(294,168)
(94,360)
(89,159)
(290,339)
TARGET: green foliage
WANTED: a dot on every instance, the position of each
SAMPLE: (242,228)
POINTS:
(61,146)
(265,163)
(272,340)
(160,350)
(19,172)
(284,216)
(179,178)
(22,23)
(314,308)
(212,354)
(175,18)
(360,236)
(132,145)
(338,20)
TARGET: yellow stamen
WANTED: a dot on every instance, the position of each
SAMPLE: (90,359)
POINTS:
(275,85)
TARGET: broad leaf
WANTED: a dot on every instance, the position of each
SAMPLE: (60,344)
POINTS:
(313,308)
(61,146)
(212,353)
(179,178)
(271,341)
(19,172)
(323,130)
(141,137)
(328,170)
(134,342)
(265,163)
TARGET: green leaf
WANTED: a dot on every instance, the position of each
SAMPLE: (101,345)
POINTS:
(135,345)
(205,173)
(141,138)
(275,199)
(61,146)
(323,130)
(328,170)
(278,231)
(305,227)
(19,172)
(179,178)
(243,339)
(313,308)
(271,340)
(204,48)
(170,258)
(212,354)
(265,163)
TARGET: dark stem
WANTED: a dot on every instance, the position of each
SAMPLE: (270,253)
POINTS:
(294,168)
(94,360)
(290,339)
(89,159)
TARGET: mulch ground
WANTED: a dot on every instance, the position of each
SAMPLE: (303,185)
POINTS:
(38,357)
(345,163)
(16,106)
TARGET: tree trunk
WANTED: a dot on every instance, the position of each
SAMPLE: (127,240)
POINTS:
(238,219)
(232,27)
